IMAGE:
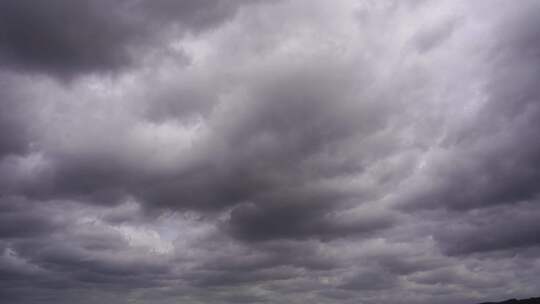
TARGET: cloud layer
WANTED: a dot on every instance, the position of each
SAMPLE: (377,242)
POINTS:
(269,151)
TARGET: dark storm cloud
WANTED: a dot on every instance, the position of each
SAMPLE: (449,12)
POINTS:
(488,230)
(308,151)
(41,257)
(9,126)
(280,153)
(299,221)
(65,38)
(14,134)
(280,137)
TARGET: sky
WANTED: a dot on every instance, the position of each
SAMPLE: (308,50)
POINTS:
(269,151)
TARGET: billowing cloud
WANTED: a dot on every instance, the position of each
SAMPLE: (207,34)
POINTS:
(269,152)
(65,38)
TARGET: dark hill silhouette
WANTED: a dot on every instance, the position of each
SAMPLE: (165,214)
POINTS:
(514,301)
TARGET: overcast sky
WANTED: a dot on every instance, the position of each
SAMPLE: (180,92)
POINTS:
(301,151)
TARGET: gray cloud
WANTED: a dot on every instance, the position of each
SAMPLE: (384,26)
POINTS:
(283,152)
(487,230)
(493,159)
(65,38)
